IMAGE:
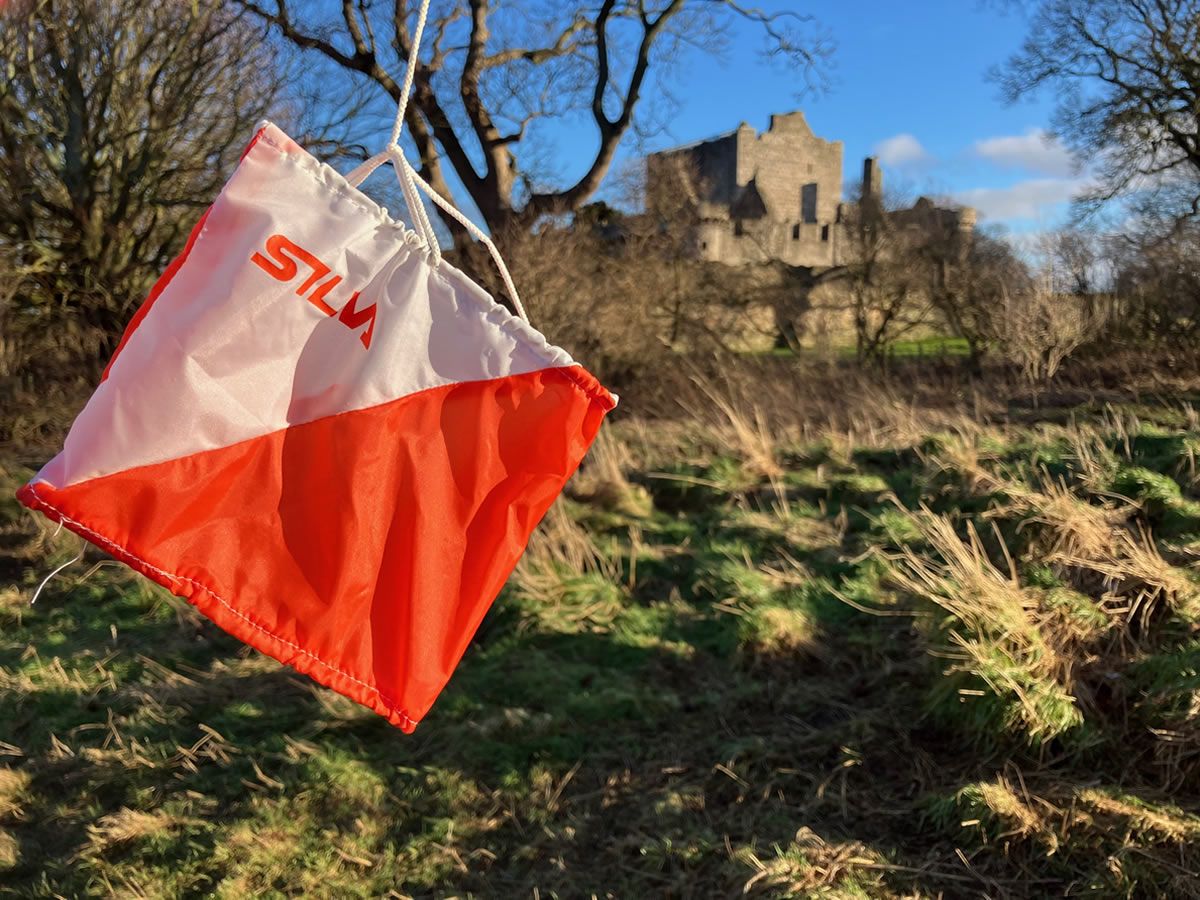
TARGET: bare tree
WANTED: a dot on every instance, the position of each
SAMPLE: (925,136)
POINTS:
(1157,287)
(1127,77)
(1074,259)
(1040,328)
(970,275)
(883,277)
(118,123)
(490,73)
(669,198)
(701,305)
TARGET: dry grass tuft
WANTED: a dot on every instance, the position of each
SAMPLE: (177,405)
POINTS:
(125,827)
(1136,578)
(1085,538)
(1007,812)
(10,851)
(960,578)
(1029,644)
(814,867)
(562,560)
(211,748)
(1132,845)
(1093,459)
(1140,820)
(603,480)
(12,597)
(1070,526)
(785,631)
(963,457)
(998,631)
(13,785)
(1014,810)
(52,676)
(743,427)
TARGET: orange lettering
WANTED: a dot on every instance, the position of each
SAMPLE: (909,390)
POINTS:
(283,265)
(317,297)
(319,271)
(285,270)
(352,318)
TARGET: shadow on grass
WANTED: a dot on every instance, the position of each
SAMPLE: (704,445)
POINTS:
(676,754)
(723,721)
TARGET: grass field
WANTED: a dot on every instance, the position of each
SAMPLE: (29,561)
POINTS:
(922,657)
(931,347)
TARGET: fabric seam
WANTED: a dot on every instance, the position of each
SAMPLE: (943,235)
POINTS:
(564,370)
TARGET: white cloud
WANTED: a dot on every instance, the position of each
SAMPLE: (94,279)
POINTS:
(901,150)
(1034,151)
(1032,199)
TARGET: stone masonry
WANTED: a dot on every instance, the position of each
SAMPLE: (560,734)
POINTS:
(775,195)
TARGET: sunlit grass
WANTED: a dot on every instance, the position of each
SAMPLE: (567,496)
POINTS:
(747,657)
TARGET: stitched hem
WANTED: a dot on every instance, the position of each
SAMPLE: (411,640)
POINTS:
(231,619)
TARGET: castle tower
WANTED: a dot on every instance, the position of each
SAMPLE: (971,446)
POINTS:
(777,195)
(872,179)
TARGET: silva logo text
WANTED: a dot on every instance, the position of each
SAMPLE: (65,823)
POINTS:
(282,262)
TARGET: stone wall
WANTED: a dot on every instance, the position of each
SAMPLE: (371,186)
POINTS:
(707,169)
(747,241)
(786,158)
(772,196)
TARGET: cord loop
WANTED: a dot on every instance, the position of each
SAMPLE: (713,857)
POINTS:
(411,184)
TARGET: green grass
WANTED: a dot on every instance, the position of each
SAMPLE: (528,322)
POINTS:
(929,346)
(734,691)
(933,347)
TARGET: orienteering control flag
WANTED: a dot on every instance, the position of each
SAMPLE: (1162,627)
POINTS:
(333,448)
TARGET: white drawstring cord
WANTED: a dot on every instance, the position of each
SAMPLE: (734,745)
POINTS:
(476,232)
(416,208)
(412,199)
(394,151)
(410,181)
(409,74)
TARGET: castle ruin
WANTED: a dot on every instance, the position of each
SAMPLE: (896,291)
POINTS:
(777,195)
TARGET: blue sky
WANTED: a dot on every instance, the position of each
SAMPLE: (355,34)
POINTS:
(908,83)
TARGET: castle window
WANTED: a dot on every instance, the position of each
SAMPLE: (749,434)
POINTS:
(738,228)
(808,202)
(825,232)
(795,232)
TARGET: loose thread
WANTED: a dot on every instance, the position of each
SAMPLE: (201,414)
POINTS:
(46,580)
